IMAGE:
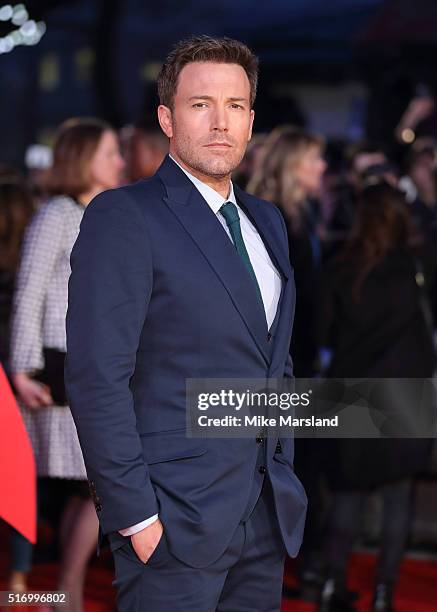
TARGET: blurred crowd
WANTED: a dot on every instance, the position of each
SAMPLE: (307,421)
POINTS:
(362,227)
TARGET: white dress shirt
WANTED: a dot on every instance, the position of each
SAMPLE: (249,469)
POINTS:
(268,278)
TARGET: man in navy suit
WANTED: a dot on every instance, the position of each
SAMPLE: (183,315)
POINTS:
(185,276)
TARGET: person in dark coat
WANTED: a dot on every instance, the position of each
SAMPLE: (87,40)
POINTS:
(371,316)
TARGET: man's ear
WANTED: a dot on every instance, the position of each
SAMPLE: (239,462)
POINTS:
(165,120)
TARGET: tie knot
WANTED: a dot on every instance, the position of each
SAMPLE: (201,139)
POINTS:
(230,213)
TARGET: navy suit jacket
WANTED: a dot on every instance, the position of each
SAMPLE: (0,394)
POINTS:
(157,295)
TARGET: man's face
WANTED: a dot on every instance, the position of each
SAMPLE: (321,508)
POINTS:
(211,120)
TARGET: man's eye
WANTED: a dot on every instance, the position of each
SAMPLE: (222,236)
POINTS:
(234,105)
(199,105)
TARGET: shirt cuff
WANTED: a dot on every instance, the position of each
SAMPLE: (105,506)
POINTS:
(139,526)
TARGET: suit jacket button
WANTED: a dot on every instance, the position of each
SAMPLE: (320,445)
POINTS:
(259,439)
(278,450)
(262,469)
(269,337)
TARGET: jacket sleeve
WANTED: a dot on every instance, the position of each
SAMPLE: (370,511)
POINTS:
(109,292)
(41,249)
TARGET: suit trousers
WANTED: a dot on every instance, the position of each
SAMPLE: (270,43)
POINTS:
(246,578)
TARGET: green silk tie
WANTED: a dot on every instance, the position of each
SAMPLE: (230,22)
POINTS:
(232,218)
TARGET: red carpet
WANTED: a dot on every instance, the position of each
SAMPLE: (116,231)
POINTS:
(417,591)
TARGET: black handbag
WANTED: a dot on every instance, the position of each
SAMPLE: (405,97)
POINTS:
(52,375)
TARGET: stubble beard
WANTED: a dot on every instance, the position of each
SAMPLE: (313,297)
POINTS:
(208,163)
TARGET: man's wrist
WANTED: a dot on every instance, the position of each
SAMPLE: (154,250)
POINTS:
(129,531)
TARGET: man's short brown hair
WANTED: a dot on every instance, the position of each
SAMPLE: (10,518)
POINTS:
(205,49)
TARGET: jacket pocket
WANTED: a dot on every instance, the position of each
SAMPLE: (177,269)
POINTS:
(170,445)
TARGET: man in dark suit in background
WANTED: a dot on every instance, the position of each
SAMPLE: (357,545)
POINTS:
(186,276)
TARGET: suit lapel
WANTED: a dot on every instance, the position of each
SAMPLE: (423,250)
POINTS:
(194,214)
(262,222)
(281,345)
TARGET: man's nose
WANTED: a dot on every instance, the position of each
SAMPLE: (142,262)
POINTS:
(219,120)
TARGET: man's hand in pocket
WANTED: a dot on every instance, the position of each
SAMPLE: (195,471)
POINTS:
(145,541)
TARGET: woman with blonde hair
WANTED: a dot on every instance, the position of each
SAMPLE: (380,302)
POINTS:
(86,161)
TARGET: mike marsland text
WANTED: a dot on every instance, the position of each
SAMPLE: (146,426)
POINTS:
(262,421)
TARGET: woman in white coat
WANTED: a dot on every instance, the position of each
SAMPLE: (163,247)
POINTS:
(86,161)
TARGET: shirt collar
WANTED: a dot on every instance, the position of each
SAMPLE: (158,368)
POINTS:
(214,200)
